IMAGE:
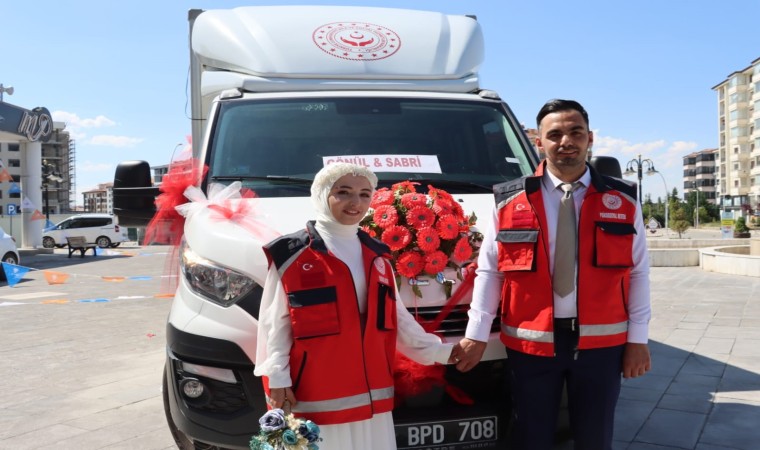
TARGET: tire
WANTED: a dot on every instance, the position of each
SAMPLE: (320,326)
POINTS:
(9,258)
(48,242)
(103,242)
(182,441)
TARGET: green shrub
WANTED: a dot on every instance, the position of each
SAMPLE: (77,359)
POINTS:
(741,225)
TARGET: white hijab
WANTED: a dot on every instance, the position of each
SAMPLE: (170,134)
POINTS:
(320,191)
(341,239)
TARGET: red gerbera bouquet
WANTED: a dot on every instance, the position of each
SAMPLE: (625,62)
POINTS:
(425,232)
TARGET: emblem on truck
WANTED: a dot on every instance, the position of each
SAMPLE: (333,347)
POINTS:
(357,41)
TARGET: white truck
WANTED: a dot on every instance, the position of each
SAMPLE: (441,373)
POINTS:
(277,93)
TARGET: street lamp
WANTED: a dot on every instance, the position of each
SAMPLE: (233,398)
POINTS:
(696,206)
(4,89)
(49,173)
(652,171)
(179,144)
(635,166)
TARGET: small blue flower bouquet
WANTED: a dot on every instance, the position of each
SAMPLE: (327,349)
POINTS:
(280,431)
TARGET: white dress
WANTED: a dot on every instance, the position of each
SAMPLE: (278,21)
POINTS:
(275,340)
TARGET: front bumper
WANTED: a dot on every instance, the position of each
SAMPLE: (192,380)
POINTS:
(227,415)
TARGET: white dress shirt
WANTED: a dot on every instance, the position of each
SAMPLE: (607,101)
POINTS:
(489,280)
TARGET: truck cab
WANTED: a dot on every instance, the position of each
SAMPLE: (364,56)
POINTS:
(277,93)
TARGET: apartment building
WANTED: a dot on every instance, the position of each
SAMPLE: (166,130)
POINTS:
(59,172)
(737,174)
(699,174)
(100,199)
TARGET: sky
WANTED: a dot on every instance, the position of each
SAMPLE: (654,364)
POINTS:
(116,72)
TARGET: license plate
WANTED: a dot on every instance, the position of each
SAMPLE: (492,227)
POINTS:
(452,434)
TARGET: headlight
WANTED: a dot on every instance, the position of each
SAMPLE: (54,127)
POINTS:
(215,282)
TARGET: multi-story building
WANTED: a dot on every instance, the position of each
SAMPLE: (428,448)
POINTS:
(58,173)
(699,174)
(738,166)
(159,172)
(100,199)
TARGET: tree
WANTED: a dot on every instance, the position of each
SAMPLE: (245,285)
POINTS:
(707,211)
(678,222)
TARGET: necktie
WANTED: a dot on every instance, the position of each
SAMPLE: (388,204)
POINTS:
(566,242)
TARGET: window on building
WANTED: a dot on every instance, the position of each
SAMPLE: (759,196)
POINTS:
(13,147)
(14,162)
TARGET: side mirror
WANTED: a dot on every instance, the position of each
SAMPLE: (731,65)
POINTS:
(134,196)
(606,165)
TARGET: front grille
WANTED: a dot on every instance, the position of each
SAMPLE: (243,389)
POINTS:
(452,325)
(225,397)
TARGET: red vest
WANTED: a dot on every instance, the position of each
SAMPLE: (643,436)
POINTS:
(605,249)
(342,370)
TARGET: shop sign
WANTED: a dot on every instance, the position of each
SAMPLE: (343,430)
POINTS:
(34,125)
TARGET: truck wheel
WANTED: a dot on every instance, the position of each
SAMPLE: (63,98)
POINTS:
(183,443)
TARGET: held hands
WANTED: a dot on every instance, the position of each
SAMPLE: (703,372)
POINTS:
(278,397)
(467,354)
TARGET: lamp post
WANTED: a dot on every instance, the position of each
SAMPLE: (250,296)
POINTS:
(636,166)
(179,144)
(49,173)
(4,89)
(652,171)
(696,206)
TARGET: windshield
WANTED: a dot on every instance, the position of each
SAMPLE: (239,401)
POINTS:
(276,146)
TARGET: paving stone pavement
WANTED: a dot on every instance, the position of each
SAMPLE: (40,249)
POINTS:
(82,361)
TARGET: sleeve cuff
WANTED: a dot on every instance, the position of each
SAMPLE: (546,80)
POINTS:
(280,380)
(477,328)
(638,333)
(443,352)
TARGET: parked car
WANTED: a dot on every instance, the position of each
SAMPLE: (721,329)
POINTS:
(101,229)
(8,250)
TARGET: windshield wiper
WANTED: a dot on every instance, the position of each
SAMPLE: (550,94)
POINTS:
(295,180)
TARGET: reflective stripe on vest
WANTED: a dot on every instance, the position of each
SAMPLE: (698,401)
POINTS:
(604,330)
(340,404)
(548,336)
(526,334)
